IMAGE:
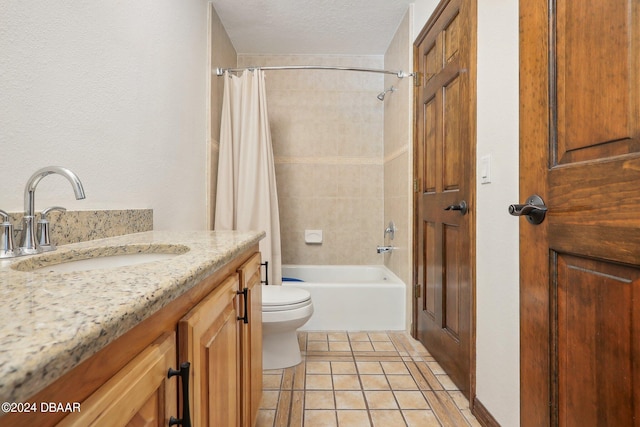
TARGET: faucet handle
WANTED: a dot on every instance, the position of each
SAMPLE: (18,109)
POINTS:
(44,240)
(6,237)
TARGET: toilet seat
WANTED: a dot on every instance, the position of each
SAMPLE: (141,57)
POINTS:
(281,298)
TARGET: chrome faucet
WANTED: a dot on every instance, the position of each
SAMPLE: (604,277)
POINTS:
(28,242)
(384,249)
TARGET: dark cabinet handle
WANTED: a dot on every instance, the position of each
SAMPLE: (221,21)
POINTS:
(266,273)
(534,209)
(183,372)
(462,207)
(245,293)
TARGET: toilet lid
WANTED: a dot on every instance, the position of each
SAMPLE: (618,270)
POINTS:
(277,296)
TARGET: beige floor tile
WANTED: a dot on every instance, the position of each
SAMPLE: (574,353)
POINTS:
(317,346)
(339,346)
(379,336)
(270,382)
(265,417)
(460,399)
(446,382)
(380,399)
(349,400)
(402,382)
(470,418)
(367,368)
(318,391)
(343,368)
(318,368)
(382,346)
(318,382)
(387,418)
(361,346)
(319,400)
(358,336)
(346,382)
(270,399)
(436,368)
(374,382)
(394,368)
(316,336)
(338,336)
(411,400)
(421,418)
(353,419)
(319,418)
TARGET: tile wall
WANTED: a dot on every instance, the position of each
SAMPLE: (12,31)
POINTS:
(327,131)
(398,158)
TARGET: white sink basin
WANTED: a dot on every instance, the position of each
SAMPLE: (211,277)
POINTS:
(94,260)
(113,261)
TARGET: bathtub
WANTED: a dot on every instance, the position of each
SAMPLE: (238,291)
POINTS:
(350,297)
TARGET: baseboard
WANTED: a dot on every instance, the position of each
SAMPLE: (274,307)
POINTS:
(483,416)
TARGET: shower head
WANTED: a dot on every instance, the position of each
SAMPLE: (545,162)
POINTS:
(382,94)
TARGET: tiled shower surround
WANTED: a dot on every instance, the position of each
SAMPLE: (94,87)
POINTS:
(327,131)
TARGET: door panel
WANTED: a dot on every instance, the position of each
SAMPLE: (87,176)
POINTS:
(597,327)
(445,164)
(580,269)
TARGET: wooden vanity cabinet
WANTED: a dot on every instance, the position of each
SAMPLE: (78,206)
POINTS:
(222,338)
(126,383)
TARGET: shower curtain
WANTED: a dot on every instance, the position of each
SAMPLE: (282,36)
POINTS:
(246,195)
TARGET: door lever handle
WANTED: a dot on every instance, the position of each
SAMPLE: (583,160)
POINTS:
(462,207)
(534,209)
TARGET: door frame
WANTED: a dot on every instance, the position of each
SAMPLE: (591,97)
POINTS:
(471,135)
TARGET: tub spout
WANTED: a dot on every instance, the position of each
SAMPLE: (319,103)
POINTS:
(384,249)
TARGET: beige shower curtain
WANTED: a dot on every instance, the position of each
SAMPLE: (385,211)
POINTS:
(246,197)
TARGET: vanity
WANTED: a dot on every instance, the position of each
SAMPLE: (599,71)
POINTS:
(170,333)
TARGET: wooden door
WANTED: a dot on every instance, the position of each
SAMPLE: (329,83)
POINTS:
(580,268)
(444,150)
(251,341)
(209,340)
(140,394)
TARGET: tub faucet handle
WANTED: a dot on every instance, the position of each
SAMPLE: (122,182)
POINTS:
(390,230)
(6,233)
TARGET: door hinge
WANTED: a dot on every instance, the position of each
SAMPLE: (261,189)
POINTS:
(417,79)
(417,290)
(416,187)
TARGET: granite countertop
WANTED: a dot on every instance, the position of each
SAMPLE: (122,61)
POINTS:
(53,321)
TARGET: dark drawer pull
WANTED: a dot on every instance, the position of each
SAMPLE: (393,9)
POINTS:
(183,372)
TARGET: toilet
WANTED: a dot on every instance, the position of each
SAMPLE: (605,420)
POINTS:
(284,309)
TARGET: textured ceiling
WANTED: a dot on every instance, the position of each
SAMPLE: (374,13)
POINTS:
(341,27)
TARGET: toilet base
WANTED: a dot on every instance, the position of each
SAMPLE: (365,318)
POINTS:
(280,350)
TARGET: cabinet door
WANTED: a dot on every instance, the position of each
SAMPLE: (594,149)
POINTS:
(251,341)
(209,339)
(138,395)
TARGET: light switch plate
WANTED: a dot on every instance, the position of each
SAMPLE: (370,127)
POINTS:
(485,169)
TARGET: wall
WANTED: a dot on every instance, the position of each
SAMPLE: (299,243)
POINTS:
(497,284)
(327,132)
(497,281)
(117,92)
(398,156)
(223,55)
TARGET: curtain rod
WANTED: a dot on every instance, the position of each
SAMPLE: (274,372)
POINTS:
(400,74)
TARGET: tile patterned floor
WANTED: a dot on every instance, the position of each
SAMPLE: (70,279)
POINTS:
(359,379)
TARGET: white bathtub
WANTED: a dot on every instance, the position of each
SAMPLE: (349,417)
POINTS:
(351,297)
